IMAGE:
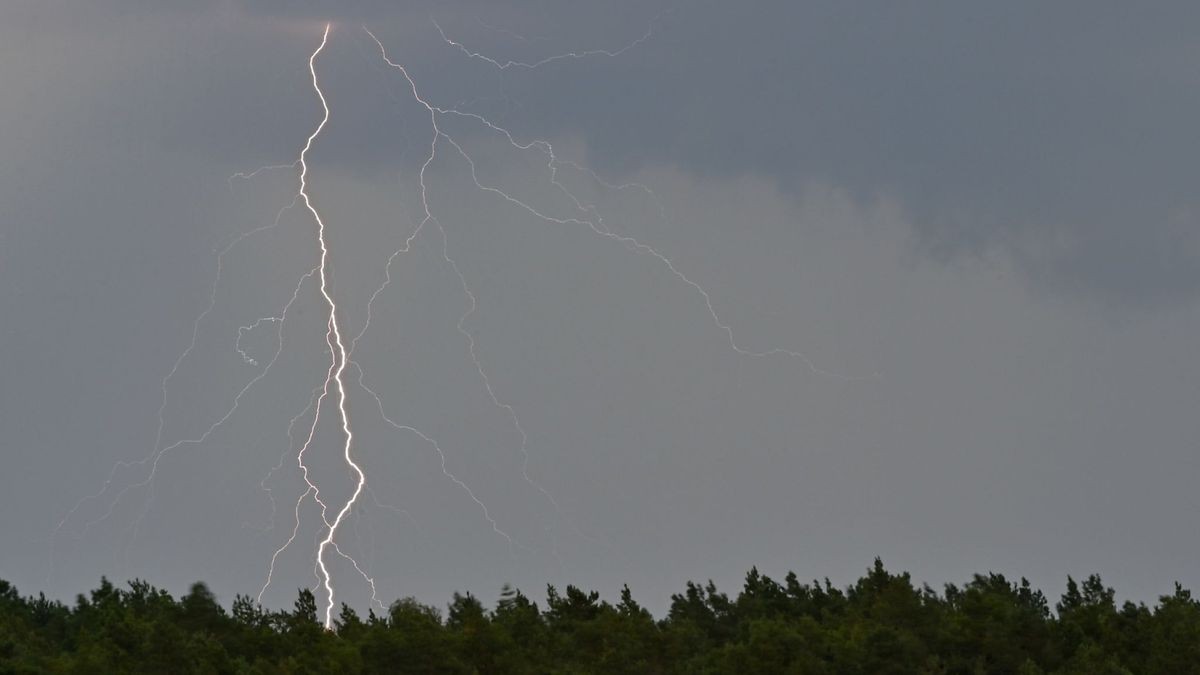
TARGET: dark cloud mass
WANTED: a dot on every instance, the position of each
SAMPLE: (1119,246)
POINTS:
(1013,124)
(1018,125)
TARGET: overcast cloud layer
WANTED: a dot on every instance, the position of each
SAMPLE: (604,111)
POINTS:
(978,224)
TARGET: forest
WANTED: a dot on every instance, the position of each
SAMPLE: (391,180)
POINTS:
(882,623)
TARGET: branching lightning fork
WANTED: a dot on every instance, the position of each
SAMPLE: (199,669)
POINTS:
(333,393)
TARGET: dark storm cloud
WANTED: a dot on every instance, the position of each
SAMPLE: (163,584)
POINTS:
(1058,133)
(1061,133)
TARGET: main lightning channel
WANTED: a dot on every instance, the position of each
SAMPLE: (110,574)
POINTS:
(333,337)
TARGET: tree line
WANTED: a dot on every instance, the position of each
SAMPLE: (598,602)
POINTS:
(882,623)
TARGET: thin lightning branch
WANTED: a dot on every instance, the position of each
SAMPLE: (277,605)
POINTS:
(662,210)
(359,516)
(310,489)
(512,543)
(487,383)
(360,545)
(595,224)
(366,577)
(215,425)
(312,401)
(402,513)
(245,175)
(242,330)
(535,64)
(387,271)
(638,246)
(589,217)
(281,549)
(388,507)
(158,450)
(312,432)
(428,216)
(157,457)
(362,548)
(505,31)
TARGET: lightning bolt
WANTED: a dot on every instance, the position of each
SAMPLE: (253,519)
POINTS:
(333,393)
(337,366)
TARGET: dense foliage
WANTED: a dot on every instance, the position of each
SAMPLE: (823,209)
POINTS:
(881,624)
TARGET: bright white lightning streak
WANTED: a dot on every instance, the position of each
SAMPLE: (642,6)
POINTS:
(311,489)
(333,338)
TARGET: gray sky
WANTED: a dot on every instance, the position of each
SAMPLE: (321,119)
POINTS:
(977,224)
